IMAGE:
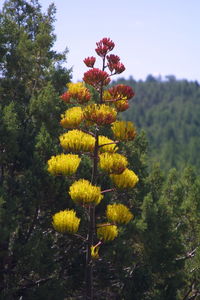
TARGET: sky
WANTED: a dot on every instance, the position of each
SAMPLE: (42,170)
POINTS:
(158,37)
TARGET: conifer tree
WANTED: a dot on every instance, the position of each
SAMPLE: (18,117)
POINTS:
(30,83)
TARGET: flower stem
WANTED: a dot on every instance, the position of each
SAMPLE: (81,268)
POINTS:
(91,226)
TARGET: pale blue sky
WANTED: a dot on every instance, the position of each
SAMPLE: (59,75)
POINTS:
(151,36)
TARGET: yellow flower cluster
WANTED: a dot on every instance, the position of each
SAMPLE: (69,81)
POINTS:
(124,131)
(121,105)
(72,117)
(112,162)
(100,114)
(65,164)
(107,232)
(111,147)
(78,91)
(127,179)
(83,192)
(107,96)
(118,213)
(77,140)
(66,221)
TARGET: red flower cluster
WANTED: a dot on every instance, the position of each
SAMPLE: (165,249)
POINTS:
(90,61)
(83,97)
(114,64)
(121,92)
(96,77)
(104,46)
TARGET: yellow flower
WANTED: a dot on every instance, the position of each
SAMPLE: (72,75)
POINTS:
(78,91)
(112,162)
(100,114)
(121,105)
(107,95)
(65,164)
(66,221)
(77,140)
(83,192)
(124,131)
(107,232)
(95,252)
(127,179)
(118,213)
(111,147)
(72,117)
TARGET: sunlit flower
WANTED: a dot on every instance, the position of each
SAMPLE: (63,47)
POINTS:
(66,221)
(76,91)
(118,213)
(65,164)
(100,114)
(121,105)
(83,192)
(104,46)
(112,162)
(107,232)
(90,61)
(121,92)
(127,179)
(109,145)
(95,252)
(96,78)
(77,140)
(123,130)
(72,117)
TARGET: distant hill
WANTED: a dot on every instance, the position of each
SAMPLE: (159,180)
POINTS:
(169,111)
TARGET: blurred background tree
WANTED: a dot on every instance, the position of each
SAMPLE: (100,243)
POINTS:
(169,112)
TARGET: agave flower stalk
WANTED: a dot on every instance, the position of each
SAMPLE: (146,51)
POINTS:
(83,124)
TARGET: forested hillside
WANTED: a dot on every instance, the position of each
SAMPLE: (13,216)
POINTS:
(169,112)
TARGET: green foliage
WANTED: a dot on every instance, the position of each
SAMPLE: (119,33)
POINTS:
(30,109)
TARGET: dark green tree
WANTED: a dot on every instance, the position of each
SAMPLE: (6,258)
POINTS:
(31,79)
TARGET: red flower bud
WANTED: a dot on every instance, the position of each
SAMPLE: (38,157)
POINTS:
(114,64)
(104,46)
(66,97)
(113,59)
(119,68)
(90,61)
(96,77)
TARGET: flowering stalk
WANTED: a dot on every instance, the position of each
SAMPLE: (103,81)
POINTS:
(91,231)
(79,121)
